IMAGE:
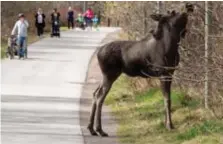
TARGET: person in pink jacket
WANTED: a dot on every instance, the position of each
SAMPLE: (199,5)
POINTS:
(88,15)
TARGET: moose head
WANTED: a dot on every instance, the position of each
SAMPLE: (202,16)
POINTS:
(174,22)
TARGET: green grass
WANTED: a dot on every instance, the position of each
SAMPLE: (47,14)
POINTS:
(141,115)
(3,49)
(63,28)
(204,128)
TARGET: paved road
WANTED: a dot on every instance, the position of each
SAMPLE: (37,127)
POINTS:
(40,96)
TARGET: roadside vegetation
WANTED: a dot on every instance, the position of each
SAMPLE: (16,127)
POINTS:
(140,116)
(138,103)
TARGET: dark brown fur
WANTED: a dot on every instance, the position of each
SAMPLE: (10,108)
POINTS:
(150,57)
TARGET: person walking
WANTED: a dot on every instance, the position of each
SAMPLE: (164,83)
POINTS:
(99,17)
(70,18)
(40,22)
(20,28)
(95,21)
(88,15)
(55,20)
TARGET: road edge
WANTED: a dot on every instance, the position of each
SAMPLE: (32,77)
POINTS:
(87,138)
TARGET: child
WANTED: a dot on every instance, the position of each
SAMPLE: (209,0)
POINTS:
(21,28)
(80,21)
(95,22)
(12,47)
(80,18)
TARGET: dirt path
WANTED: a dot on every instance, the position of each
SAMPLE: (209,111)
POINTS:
(40,96)
(108,121)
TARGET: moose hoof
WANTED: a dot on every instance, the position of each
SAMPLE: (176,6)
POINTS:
(92,131)
(102,133)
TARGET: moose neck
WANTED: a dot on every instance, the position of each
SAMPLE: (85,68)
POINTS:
(171,39)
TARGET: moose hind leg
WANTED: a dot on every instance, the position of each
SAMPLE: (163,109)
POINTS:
(92,115)
(166,88)
(107,83)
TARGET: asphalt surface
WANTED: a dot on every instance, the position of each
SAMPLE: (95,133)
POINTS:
(40,96)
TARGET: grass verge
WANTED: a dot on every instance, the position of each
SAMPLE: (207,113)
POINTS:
(64,28)
(141,115)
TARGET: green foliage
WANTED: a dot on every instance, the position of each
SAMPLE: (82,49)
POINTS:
(3,50)
(204,128)
(141,117)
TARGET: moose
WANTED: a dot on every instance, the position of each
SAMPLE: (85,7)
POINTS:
(150,57)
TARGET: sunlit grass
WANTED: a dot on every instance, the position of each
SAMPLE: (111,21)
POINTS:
(64,28)
(141,117)
(3,49)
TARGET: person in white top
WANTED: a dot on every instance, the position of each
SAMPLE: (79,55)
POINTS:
(21,28)
(40,22)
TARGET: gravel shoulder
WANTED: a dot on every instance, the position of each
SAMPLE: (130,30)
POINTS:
(109,124)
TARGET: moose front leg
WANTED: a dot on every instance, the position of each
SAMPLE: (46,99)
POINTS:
(166,89)
(103,91)
(92,115)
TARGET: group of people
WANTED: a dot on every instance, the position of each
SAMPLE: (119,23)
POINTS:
(40,22)
(87,19)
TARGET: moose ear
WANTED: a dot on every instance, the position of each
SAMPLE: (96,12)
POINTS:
(189,7)
(156,17)
(173,13)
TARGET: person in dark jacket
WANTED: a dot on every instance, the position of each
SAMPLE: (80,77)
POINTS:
(70,18)
(99,17)
(40,22)
(55,19)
